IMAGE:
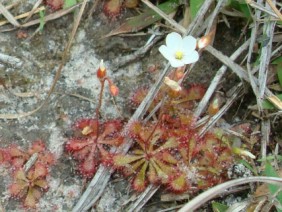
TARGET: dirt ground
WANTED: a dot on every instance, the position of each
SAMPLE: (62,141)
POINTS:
(24,87)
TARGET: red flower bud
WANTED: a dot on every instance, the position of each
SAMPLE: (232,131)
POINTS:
(101,73)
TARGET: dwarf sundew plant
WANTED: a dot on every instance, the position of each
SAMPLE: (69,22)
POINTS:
(28,184)
(94,137)
(170,152)
(92,143)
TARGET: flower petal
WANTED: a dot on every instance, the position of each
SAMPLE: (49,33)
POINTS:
(166,52)
(173,41)
(191,58)
(176,63)
(189,44)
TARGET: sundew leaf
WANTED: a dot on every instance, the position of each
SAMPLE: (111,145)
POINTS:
(195,5)
(145,19)
(218,207)
(121,160)
(270,171)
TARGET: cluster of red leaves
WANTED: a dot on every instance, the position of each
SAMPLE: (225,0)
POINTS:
(92,142)
(113,8)
(170,152)
(28,185)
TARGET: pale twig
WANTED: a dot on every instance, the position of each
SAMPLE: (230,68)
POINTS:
(216,80)
(215,191)
(143,198)
(165,16)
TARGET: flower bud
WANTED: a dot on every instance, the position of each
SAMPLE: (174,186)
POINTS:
(114,90)
(101,73)
(205,40)
(172,84)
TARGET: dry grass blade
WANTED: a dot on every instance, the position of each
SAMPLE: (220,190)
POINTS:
(8,16)
(23,15)
(213,192)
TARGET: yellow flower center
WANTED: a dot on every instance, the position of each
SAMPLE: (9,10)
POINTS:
(179,55)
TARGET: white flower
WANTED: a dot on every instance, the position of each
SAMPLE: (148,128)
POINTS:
(179,51)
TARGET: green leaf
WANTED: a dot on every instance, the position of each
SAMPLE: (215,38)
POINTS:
(42,20)
(195,5)
(145,19)
(270,172)
(268,105)
(69,3)
(218,207)
(278,62)
(241,6)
